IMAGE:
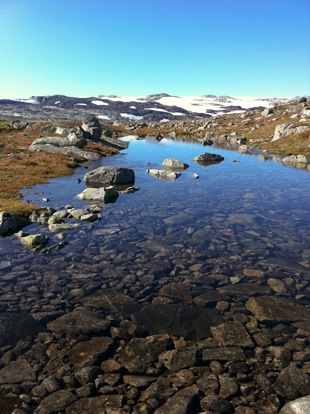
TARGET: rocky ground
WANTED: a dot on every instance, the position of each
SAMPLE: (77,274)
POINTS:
(180,333)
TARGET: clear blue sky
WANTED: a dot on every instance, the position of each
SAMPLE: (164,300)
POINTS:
(139,47)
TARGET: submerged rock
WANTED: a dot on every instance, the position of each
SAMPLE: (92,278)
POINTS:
(164,174)
(180,319)
(16,326)
(274,308)
(32,241)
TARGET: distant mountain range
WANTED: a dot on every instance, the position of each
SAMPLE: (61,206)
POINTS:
(158,107)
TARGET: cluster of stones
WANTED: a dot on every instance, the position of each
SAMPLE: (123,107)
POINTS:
(113,356)
(71,141)
(172,167)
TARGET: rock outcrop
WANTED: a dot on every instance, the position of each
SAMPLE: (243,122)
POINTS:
(285,130)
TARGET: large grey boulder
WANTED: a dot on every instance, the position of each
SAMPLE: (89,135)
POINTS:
(207,159)
(285,130)
(109,176)
(11,223)
(93,127)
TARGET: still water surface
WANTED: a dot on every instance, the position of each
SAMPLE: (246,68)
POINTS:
(243,211)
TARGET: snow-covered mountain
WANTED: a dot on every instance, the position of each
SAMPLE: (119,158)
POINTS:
(158,107)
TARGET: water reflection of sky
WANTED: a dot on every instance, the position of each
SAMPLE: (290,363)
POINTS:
(249,173)
(276,197)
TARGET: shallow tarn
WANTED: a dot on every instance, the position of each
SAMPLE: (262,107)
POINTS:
(240,230)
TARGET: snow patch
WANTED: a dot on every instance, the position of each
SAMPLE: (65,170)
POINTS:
(157,109)
(81,104)
(30,101)
(106,117)
(99,103)
(132,117)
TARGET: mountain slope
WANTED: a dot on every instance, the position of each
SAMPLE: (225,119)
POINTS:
(156,107)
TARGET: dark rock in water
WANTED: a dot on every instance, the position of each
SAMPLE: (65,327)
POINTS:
(120,304)
(230,353)
(178,359)
(88,353)
(17,372)
(109,175)
(232,334)
(11,223)
(184,401)
(141,353)
(16,326)
(96,404)
(207,142)
(79,322)
(180,319)
(292,382)
(207,159)
(56,402)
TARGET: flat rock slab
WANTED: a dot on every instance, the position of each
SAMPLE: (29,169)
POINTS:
(79,322)
(232,334)
(95,405)
(141,353)
(89,352)
(277,309)
(292,382)
(177,292)
(17,372)
(183,401)
(180,319)
(16,326)
(56,402)
(230,353)
(244,290)
(119,303)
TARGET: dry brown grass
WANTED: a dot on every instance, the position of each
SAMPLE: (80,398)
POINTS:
(21,168)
